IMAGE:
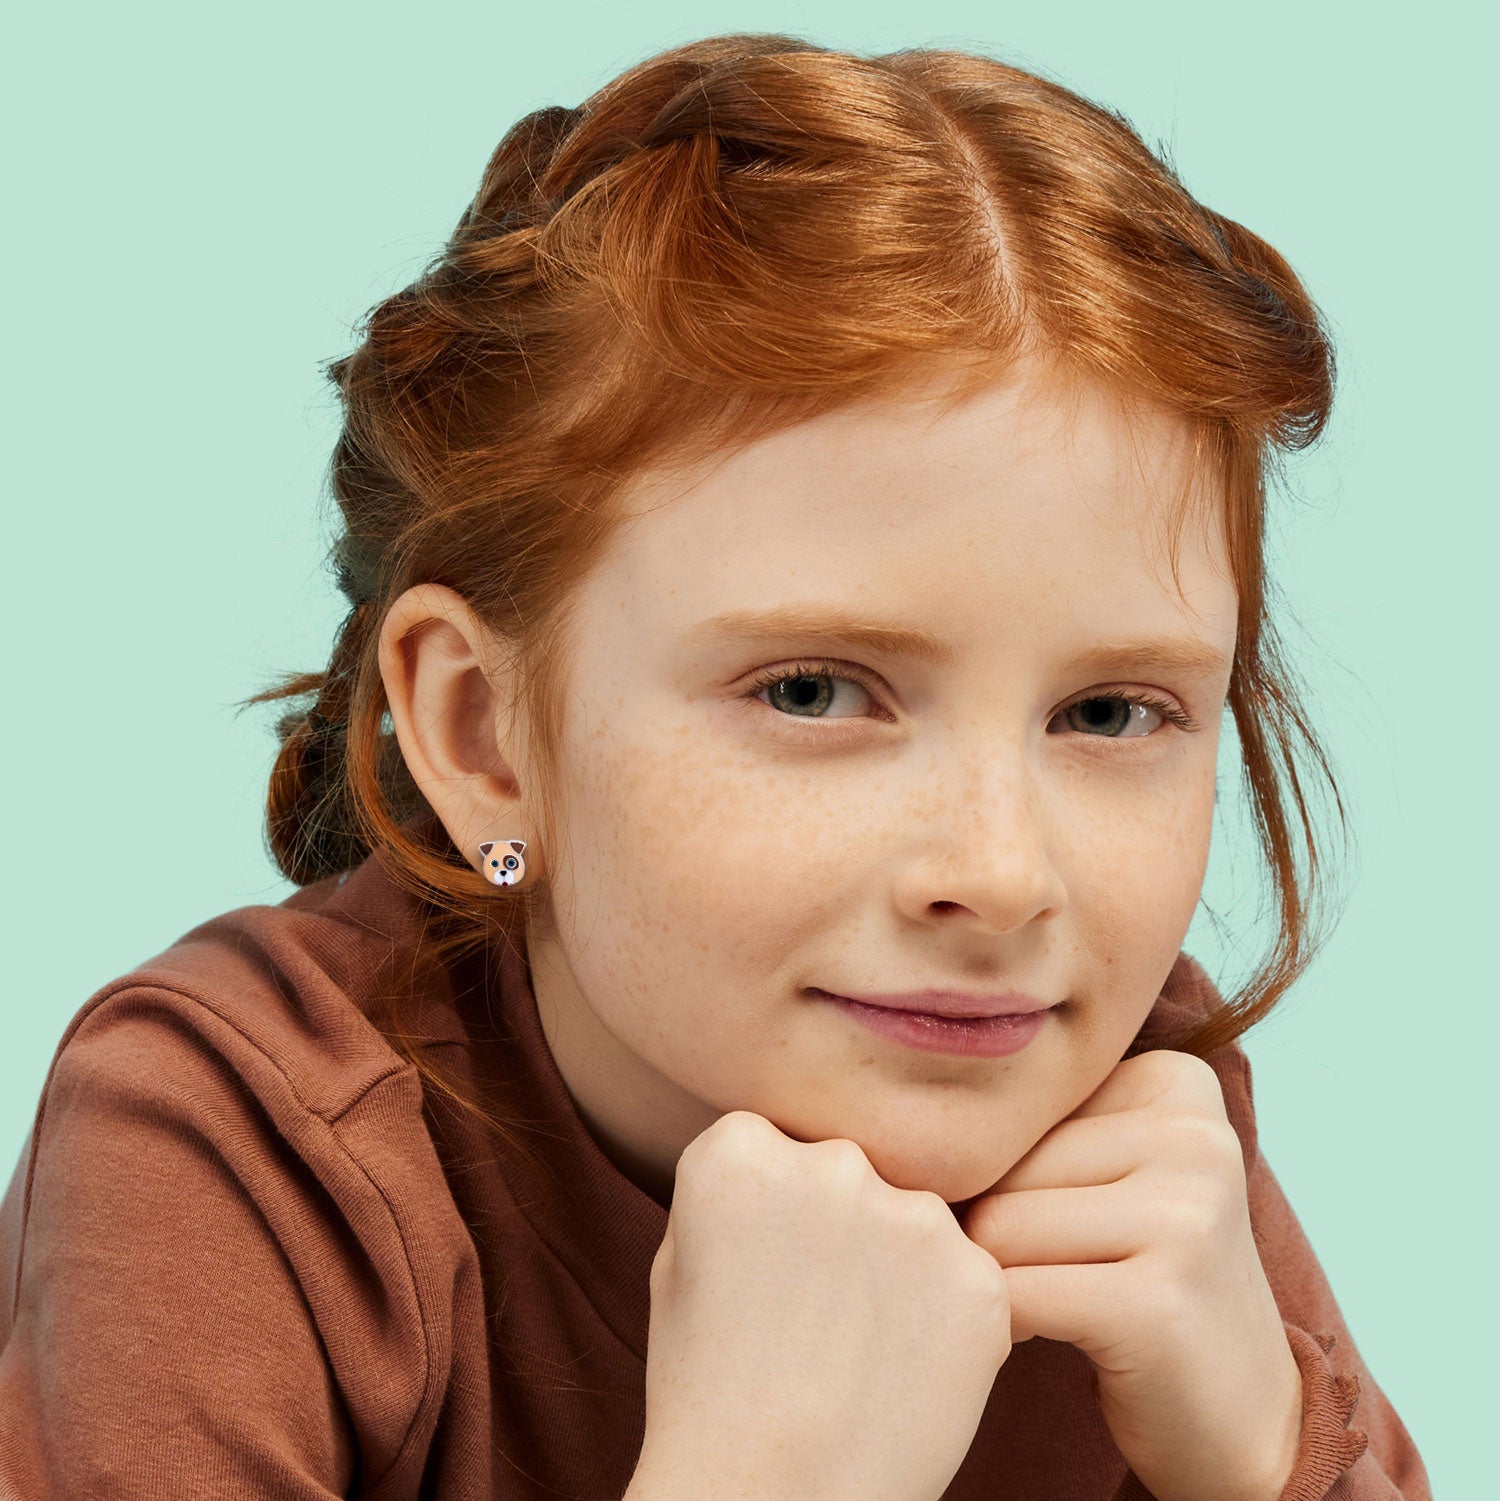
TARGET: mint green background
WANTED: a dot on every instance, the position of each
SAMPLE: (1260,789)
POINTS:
(203,201)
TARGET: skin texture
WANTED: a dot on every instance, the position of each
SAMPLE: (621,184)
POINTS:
(961,824)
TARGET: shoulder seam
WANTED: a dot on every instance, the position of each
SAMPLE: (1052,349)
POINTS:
(398,1067)
(423,1319)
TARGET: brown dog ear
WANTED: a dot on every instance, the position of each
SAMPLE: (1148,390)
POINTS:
(518,845)
(487,846)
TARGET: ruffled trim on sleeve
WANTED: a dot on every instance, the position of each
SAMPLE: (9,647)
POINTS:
(1329,1446)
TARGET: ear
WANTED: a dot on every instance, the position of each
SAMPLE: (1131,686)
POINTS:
(487,846)
(518,845)
(448,688)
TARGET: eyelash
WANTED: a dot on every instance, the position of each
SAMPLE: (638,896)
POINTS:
(814,668)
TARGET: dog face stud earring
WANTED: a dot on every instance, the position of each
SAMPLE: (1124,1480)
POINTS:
(503,865)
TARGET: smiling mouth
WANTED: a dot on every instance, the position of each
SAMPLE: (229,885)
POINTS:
(1009,1007)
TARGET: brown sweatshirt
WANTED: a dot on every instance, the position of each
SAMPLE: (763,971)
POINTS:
(244,1254)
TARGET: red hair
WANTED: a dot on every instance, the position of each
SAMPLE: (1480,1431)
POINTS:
(731,237)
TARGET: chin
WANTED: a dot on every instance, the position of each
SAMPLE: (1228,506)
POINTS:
(957,1188)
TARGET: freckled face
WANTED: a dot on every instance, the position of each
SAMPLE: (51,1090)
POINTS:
(996,822)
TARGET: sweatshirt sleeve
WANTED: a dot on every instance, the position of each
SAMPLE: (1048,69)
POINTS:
(1354,1446)
(172,1250)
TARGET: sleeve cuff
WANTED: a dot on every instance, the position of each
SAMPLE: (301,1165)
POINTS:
(1329,1446)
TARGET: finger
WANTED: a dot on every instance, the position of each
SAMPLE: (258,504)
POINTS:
(1159,1076)
(1064,1226)
(1080,1153)
(1078,1305)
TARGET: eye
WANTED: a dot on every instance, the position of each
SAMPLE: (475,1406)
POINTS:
(797,687)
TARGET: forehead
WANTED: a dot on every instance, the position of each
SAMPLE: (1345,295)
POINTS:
(1028,485)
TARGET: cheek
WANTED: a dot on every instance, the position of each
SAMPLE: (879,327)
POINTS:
(1149,848)
(682,854)
(1133,901)
(1182,847)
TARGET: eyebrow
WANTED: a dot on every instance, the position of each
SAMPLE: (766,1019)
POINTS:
(1143,654)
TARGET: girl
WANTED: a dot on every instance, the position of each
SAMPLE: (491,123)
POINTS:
(732,1037)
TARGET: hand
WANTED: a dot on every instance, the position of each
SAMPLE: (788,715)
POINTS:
(815,1331)
(1126,1231)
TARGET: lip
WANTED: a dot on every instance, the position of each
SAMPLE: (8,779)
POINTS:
(952,1004)
(981,1037)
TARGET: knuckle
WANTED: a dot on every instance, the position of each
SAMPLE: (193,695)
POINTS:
(1195,1211)
(847,1158)
(1211,1136)
(740,1124)
(735,1132)
(991,1275)
(925,1210)
(1186,1073)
